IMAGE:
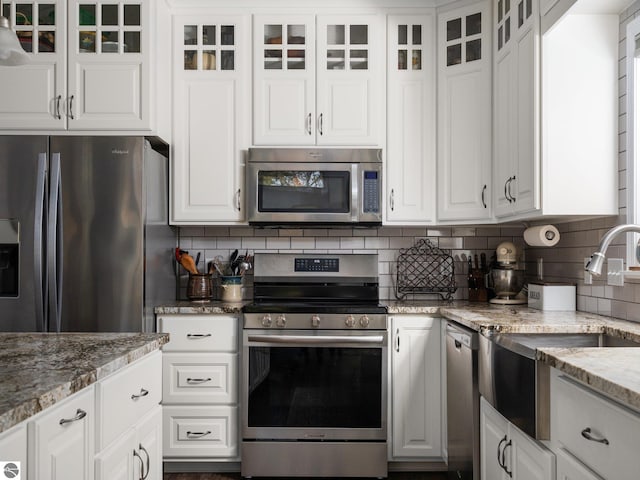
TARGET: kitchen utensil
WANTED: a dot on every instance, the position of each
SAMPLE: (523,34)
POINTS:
(186,260)
(197,259)
(231,288)
(200,287)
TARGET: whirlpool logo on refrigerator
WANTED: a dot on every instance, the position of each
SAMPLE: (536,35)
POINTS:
(10,470)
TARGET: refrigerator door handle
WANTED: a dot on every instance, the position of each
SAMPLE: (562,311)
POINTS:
(40,288)
(54,245)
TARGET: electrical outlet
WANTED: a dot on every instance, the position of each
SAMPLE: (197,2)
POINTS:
(614,272)
(588,278)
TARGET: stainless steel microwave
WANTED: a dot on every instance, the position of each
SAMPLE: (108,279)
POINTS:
(328,186)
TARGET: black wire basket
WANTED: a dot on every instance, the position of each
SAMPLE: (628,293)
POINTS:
(425,269)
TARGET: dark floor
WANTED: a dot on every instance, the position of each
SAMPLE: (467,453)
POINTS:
(236,476)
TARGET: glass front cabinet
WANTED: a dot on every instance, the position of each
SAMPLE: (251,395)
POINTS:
(89,68)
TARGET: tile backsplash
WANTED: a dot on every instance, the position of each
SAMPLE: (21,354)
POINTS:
(385,241)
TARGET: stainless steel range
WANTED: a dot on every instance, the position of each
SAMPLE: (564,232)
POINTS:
(315,368)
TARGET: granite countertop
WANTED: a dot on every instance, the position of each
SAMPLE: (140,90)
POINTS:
(207,308)
(37,370)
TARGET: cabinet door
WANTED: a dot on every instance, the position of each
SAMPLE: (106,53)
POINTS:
(13,447)
(493,439)
(464,113)
(117,461)
(149,444)
(210,70)
(569,468)
(528,460)
(284,80)
(62,440)
(416,410)
(349,69)
(34,94)
(109,65)
(411,117)
(525,186)
(504,105)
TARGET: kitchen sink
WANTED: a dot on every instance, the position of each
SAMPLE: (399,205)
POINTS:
(527,343)
(516,384)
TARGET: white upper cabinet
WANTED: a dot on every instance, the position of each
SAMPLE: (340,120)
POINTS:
(411,119)
(90,66)
(317,79)
(555,112)
(464,113)
(210,118)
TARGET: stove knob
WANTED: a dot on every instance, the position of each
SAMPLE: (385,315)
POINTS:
(281,321)
(266,320)
(315,321)
(364,321)
(350,321)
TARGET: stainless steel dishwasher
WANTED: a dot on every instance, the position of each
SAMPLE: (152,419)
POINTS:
(463,403)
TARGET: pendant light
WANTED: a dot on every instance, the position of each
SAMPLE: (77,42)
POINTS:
(11,52)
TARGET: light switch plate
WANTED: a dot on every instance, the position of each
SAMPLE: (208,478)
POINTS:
(614,272)
(588,278)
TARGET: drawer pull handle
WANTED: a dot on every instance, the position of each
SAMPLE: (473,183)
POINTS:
(586,433)
(198,434)
(148,461)
(197,336)
(143,393)
(504,462)
(504,439)
(198,380)
(80,414)
(136,454)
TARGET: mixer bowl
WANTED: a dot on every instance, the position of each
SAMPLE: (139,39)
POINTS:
(506,282)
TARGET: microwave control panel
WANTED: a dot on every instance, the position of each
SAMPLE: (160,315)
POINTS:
(371,193)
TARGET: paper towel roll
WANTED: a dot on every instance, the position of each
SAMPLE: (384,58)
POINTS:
(542,236)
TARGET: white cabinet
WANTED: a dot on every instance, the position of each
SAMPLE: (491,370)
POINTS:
(569,468)
(548,141)
(416,401)
(516,97)
(317,79)
(90,66)
(595,433)
(61,440)
(13,447)
(411,114)
(464,113)
(507,453)
(137,455)
(200,387)
(129,422)
(210,118)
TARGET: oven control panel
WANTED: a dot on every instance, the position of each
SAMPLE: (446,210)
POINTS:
(317,265)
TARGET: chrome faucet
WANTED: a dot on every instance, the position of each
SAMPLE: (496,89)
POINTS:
(597,259)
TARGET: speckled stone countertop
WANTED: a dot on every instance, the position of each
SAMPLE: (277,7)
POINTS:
(211,308)
(38,370)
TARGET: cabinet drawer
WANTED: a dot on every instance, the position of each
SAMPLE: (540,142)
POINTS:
(200,333)
(200,431)
(578,412)
(199,378)
(126,396)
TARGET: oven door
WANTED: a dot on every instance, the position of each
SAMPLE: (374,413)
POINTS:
(314,385)
(313,192)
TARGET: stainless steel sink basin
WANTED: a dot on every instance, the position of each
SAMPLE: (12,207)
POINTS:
(527,343)
(516,384)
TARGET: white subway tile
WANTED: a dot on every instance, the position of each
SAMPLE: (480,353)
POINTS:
(306,243)
(351,242)
(278,243)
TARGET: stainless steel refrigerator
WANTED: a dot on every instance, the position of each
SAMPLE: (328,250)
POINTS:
(85,244)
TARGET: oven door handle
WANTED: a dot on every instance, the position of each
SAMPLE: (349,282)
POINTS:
(330,340)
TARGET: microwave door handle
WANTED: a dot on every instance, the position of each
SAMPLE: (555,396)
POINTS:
(356,187)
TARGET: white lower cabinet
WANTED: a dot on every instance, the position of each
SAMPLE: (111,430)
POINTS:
(506,453)
(594,434)
(570,468)
(200,388)
(129,422)
(61,440)
(13,447)
(137,454)
(415,388)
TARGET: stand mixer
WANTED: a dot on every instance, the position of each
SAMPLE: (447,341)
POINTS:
(506,277)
